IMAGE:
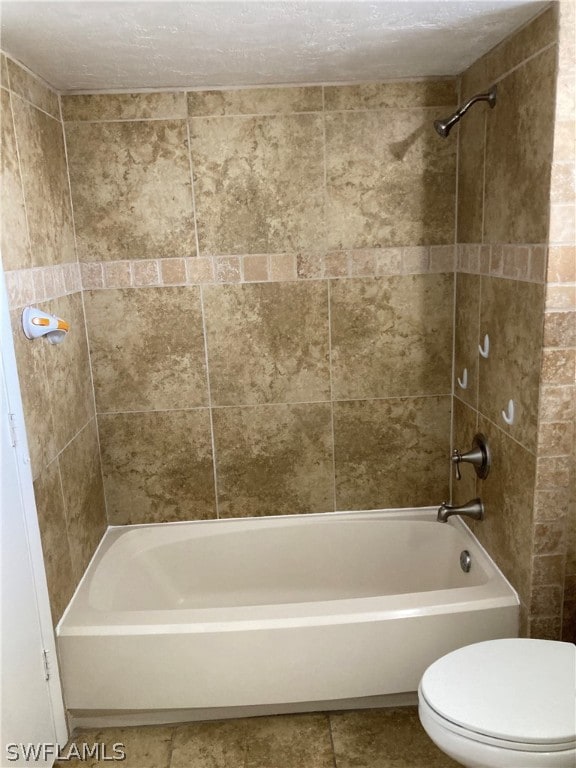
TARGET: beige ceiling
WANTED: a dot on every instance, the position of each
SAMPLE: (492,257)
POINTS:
(87,46)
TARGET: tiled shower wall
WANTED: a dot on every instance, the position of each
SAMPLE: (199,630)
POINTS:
(554,608)
(514,288)
(268,282)
(270,300)
(38,254)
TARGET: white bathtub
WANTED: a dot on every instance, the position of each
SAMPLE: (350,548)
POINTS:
(184,620)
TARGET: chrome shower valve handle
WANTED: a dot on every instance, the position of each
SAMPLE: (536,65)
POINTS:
(479,456)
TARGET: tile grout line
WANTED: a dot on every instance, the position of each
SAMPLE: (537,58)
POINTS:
(454,298)
(329,297)
(331,734)
(210,408)
(83,302)
(24,203)
(280,404)
(192,188)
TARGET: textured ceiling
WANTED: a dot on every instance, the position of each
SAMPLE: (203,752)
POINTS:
(85,46)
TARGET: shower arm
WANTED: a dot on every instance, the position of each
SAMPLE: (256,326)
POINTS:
(443,127)
(489,96)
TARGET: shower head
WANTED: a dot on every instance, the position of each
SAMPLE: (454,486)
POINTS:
(444,126)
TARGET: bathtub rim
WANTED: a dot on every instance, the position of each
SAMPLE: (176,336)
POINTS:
(319,612)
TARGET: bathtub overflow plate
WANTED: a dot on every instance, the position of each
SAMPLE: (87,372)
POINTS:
(465,560)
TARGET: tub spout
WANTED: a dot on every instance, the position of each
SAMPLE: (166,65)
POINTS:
(473,509)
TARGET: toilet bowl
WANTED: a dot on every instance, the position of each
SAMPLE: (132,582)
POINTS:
(503,704)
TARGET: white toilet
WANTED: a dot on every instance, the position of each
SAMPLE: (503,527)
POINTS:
(503,704)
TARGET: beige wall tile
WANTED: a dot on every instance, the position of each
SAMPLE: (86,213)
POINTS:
(563,182)
(33,89)
(116,274)
(255,101)
(555,439)
(4,77)
(391,336)
(472,143)
(442,258)
(36,395)
(561,297)
(13,224)
(507,494)
(511,52)
(199,270)
(283,266)
(255,268)
(258,183)
(467,336)
(309,265)
(267,342)
(52,521)
(511,314)
(395,94)
(392,187)
(519,155)
(556,403)
(529,40)
(548,569)
(537,269)
(564,133)
(562,223)
(173,271)
(83,494)
(68,372)
(558,366)
(157,466)
(464,427)
(546,628)
(45,182)
(228,269)
(391,453)
(336,264)
(92,275)
(145,273)
(562,264)
(274,459)
(147,348)
(125,106)
(550,538)
(131,189)
(560,329)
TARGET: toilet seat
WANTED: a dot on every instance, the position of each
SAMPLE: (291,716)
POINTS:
(513,694)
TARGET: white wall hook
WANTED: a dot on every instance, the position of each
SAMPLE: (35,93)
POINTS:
(36,323)
(485,349)
(508,414)
(463,383)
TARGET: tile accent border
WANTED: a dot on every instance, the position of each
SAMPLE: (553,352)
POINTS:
(275,267)
(515,262)
(31,286)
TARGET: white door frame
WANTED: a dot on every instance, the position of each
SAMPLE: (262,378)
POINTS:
(48,639)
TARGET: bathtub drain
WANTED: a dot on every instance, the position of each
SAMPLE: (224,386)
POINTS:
(465,560)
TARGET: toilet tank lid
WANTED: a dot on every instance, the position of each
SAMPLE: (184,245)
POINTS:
(519,690)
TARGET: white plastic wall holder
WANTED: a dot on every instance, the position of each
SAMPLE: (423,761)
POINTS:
(484,349)
(463,382)
(508,414)
(36,323)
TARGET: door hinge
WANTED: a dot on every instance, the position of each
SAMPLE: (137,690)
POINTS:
(46,665)
(12,425)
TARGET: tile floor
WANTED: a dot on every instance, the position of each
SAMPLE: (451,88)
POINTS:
(377,738)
